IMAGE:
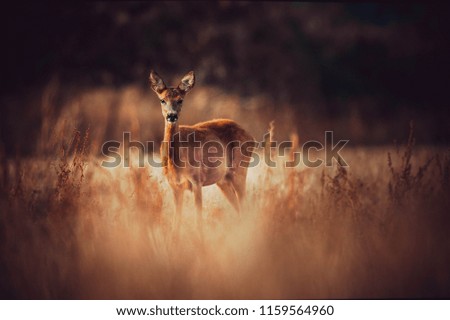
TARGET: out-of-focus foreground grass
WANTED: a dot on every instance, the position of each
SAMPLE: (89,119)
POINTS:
(71,228)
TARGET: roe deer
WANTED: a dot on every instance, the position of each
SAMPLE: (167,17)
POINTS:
(185,149)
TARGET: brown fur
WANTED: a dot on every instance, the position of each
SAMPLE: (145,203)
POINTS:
(230,176)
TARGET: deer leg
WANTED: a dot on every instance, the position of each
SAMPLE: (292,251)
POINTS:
(197,189)
(198,199)
(178,195)
(230,193)
(238,182)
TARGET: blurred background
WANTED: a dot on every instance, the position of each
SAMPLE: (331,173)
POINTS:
(70,228)
(362,70)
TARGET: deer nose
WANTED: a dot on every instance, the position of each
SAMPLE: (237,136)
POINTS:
(172,117)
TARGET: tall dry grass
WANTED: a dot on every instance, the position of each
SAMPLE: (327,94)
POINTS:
(71,228)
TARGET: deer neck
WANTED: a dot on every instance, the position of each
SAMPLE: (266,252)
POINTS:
(170,130)
(168,149)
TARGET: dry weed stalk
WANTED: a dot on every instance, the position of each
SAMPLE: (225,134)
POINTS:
(71,167)
(403,181)
(344,191)
(268,140)
(295,181)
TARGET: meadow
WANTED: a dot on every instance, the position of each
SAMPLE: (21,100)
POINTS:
(73,229)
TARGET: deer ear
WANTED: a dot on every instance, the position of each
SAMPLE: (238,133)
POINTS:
(187,83)
(156,83)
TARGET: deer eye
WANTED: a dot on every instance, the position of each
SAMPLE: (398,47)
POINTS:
(162,101)
(180,101)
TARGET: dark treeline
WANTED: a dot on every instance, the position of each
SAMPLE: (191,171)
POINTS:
(382,62)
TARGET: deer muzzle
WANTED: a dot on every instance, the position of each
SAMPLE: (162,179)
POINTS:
(172,117)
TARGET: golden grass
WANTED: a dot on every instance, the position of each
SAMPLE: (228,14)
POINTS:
(71,228)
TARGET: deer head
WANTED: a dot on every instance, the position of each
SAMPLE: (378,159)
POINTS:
(171,98)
